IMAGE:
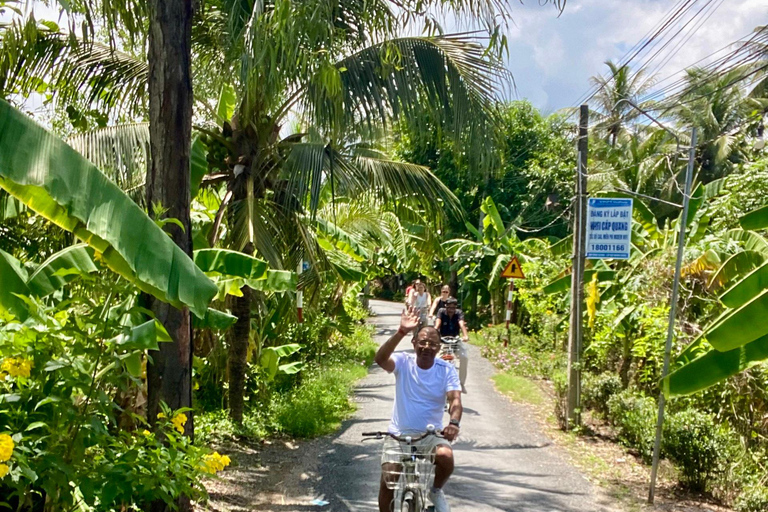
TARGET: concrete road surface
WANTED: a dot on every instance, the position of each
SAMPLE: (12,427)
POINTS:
(503,462)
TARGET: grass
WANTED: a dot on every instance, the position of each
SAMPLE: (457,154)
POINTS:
(519,389)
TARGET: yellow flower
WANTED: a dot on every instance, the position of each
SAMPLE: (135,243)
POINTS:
(196,386)
(160,415)
(4,469)
(214,463)
(593,298)
(147,433)
(17,367)
(179,421)
(6,447)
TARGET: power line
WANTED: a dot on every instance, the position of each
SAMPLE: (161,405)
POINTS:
(678,11)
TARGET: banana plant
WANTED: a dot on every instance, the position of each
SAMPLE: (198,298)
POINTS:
(49,276)
(52,179)
(736,340)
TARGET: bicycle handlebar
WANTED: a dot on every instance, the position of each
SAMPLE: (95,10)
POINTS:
(403,439)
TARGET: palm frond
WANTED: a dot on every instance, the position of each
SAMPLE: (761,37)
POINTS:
(121,152)
(417,79)
(37,56)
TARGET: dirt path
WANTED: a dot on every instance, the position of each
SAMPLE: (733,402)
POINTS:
(503,461)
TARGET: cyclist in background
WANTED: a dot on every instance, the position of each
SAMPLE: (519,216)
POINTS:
(450,322)
(420,300)
(439,302)
(422,383)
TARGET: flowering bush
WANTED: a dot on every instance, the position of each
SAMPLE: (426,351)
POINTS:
(72,431)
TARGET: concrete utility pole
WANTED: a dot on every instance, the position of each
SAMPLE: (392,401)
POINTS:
(673,311)
(577,274)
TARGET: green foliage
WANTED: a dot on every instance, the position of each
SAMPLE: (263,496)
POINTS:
(522,356)
(752,499)
(634,416)
(59,184)
(597,390)
(696,444)
(307,404)
(71,377)
(320,402)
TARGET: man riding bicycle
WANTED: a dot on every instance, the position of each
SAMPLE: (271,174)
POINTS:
(422,382)
(449,321)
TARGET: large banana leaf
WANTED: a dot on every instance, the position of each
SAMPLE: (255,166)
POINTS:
(736,266)
(215,319)
(749,240)
(246,269)
(230,263)
(562,246)
(713,367)
(13,281)
(277,281)
(748,288)
(59,184)
(736,328)
(756,219)
(57,270)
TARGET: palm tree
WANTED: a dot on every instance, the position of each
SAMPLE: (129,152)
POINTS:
(718,106)
(314,62)
(614,93)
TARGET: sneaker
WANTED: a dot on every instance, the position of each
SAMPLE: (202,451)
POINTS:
(463,389)
(437,497)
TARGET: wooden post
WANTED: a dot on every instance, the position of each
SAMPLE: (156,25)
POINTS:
(577,275)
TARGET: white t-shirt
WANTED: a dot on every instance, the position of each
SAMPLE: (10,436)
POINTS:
(420,394)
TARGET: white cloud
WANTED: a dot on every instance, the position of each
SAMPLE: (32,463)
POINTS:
(553,57)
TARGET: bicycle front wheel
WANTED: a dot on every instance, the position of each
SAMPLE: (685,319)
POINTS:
(409,502)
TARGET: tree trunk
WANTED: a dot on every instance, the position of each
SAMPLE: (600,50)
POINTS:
(169,377)
(237,356)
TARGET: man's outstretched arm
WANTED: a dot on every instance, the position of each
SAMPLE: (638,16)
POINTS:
(408,322)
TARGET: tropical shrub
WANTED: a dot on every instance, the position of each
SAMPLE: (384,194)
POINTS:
(72,430)
(597,390)
(634,416)
(696,444)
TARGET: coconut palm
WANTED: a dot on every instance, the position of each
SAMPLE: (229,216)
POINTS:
(718,106)
(338,71)
(613,97)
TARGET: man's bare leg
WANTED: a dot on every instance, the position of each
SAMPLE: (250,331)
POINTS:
(389,472)
(443,465)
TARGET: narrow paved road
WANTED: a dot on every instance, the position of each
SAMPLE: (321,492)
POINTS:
(503,462)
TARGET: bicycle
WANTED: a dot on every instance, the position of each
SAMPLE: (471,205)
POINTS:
(416,470)
(450,350)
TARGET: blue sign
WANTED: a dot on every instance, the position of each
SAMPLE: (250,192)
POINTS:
(609,228)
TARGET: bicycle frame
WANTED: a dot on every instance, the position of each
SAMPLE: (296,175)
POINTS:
(415,474)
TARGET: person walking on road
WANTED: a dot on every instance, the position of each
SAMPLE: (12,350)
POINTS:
(450,322)
(422,383)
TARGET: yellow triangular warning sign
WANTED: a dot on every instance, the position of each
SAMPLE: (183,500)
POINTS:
(513,270)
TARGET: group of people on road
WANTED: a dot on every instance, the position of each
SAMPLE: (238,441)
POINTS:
(423,383)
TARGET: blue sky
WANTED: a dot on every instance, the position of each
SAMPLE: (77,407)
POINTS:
(553,57)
